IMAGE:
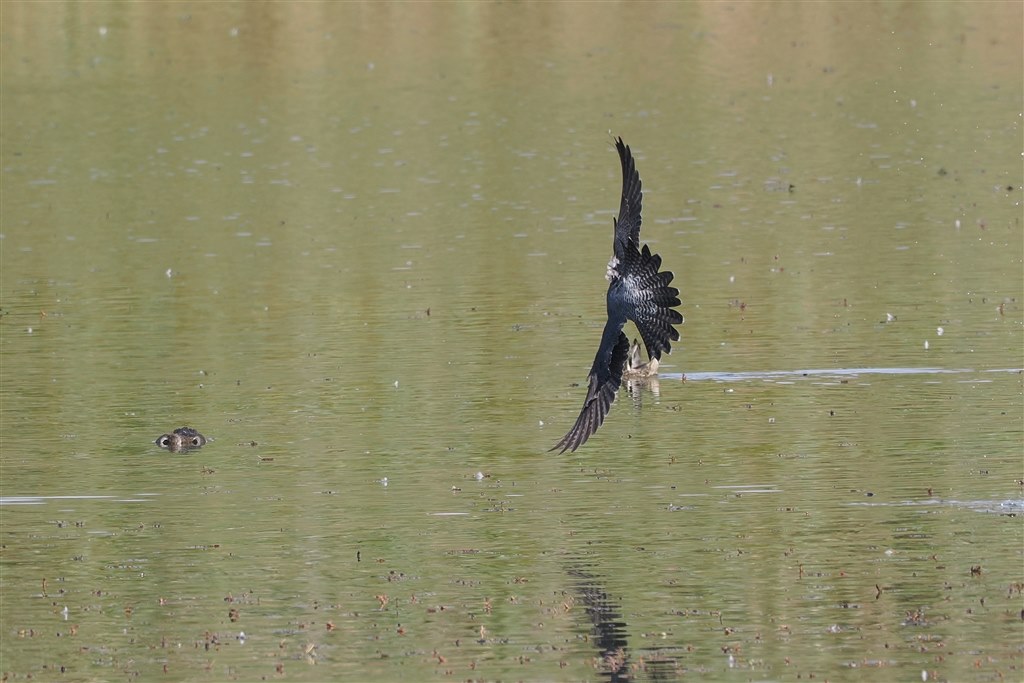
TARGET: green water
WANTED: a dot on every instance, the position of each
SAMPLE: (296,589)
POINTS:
(362,248)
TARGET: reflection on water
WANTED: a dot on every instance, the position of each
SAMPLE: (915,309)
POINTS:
(608,629)
(617,662)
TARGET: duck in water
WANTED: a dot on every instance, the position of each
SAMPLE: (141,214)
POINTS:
(636,368)
(181,439)
(637,291)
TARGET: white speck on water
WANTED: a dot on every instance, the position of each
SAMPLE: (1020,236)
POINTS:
(169,273)
(383,481)
(925,344)
(540,423)
(396,384)
(889,317)
(102,31)
(234,34)
(956,223)
(732,279)
(241,637)
(479,477)
(64,612)
(29,330)
(940,331)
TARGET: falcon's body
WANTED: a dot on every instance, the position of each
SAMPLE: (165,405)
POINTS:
(637,291)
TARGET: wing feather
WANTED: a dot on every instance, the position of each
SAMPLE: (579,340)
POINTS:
(627,226)
(647,298)
(603,384)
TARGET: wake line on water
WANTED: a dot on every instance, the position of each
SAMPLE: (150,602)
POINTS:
(831,372)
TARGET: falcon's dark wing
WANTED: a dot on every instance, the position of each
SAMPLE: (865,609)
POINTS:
(627,225)
(644,295)
(605,378)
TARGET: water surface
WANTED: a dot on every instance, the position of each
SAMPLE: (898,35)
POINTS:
(362,248)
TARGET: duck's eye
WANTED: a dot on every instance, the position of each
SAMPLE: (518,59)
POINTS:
(195,441)
(164,441)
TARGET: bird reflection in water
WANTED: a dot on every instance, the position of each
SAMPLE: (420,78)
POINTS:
(608,629)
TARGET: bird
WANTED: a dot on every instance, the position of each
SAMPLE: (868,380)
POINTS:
(181,439)
(636,368)
(637,290)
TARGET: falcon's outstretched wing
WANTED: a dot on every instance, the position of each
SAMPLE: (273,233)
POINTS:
(603,383)
(627,225)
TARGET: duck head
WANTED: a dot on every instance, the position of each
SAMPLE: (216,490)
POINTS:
(181,439)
